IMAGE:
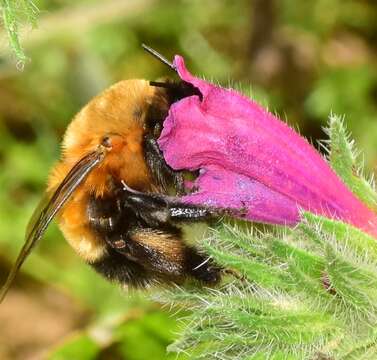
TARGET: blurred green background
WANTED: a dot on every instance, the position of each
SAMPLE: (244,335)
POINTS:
(302,59)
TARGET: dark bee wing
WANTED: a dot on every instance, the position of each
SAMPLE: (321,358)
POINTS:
(48,208)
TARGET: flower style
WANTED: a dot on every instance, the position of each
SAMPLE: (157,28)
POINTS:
(252,162)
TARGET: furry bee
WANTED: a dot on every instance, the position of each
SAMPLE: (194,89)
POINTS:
(109,191)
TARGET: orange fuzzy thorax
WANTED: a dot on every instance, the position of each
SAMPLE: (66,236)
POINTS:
(119,113)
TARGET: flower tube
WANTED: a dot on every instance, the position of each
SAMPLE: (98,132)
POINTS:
(252,162)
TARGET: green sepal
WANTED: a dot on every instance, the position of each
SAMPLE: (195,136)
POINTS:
(343,159)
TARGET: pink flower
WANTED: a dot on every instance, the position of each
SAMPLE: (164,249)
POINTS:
(251,161)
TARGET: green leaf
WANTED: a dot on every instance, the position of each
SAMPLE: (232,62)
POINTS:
(308,292)
(12,13)
(359,243)
(261,274)
(147,337)
(364,349)
(79,346)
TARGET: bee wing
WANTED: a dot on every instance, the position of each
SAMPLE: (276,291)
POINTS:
(48,208)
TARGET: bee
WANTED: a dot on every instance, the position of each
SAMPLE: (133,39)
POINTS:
(110,191)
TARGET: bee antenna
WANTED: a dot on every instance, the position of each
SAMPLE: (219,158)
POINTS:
(158,56)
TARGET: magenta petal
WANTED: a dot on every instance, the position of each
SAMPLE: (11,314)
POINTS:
(251,161)
(224,189)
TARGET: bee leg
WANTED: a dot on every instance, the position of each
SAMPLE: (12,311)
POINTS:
(161,171)
(103,214)
(201,267)
(165,257)
(156,209)
(170,253)
(185,212)
(159,252)
(141,228)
